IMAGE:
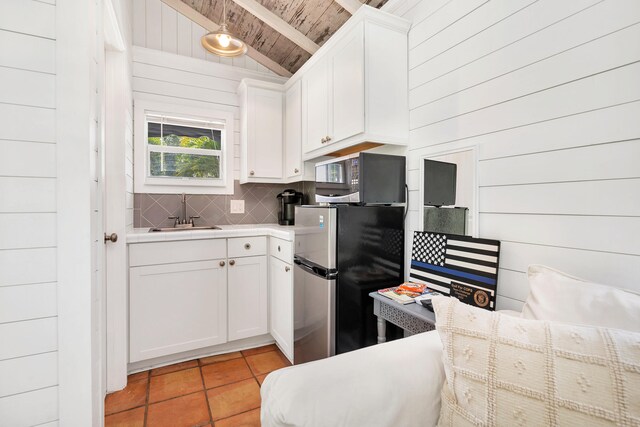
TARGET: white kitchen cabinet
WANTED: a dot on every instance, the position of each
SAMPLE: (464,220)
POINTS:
(354,89)
(347,68)
(247,297)
(293,132)
(281,304)
(262,134)
(176,307)
(333,102)
(189,295)
(315,105)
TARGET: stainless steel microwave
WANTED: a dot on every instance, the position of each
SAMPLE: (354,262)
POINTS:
(363,178)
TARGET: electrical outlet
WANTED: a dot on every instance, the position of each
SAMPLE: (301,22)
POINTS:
(236,206)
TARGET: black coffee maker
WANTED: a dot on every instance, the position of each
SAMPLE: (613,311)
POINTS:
(288,200)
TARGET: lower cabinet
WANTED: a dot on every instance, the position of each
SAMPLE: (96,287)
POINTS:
(179,302)
(177,307)
(281,304)
(247,297)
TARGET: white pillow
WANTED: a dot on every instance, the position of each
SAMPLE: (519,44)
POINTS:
(508,371)
(554,295)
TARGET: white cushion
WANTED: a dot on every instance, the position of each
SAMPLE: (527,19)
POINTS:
(558,296)
(508,371)
(386,385)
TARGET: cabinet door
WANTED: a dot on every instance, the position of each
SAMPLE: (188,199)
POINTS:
(176,307)
(347,68)
(293,131)
(316,105)
(281,304)
(247,297)
(265,135)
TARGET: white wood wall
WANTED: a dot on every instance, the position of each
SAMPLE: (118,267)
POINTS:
(550,92)
(125,12)
(28,289)
(129,161)
(158,26)
(175,79)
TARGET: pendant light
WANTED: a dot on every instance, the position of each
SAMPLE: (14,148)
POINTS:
(222,42)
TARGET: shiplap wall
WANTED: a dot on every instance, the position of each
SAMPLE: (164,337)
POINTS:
(158,26)
(129,159)
(174,79)
(28,289)
(124,11)
(550,93)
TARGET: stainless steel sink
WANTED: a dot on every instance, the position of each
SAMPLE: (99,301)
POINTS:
(158,229)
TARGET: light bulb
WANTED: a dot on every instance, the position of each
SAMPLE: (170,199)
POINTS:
(224,40)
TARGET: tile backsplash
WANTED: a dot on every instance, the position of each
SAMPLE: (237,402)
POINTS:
(260,205)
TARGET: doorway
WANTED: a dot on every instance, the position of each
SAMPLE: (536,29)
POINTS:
(116,132)
(465,159)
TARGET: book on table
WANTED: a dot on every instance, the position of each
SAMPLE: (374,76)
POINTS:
(405,293)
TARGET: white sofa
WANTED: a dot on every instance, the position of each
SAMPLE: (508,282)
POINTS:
(360,388)
(399,383)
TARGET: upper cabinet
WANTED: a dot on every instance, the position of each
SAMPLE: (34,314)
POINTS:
(350,96)
(346,65)
(315,106)
(293,165)
(262,133)
(355,89)
(333,102)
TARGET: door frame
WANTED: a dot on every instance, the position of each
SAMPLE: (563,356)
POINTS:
(115,200)
(77,37)
(79,43)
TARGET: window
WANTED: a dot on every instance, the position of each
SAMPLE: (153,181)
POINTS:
(182,150)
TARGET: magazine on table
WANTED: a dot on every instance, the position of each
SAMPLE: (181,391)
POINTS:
(407,292)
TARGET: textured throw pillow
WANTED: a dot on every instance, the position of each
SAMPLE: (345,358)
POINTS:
(558,296)
(508,371)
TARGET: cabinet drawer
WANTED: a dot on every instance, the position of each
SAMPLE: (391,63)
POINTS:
(247,246)
(155,253)
(281,249)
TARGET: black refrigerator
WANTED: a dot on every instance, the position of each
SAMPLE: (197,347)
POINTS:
(343,252)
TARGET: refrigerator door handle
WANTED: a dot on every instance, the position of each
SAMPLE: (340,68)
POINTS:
(316,270)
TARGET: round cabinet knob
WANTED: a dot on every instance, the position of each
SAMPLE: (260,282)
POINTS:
(113,237)
(296,170)
(287,269)
(328,138)
(247,246)
(252,173)
(278,248)
(232,262)
(323,140)
(222,263)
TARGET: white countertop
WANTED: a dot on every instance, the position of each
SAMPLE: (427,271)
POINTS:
(286,232)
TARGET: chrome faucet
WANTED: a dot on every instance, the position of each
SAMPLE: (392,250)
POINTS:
(184,222)
(184,208)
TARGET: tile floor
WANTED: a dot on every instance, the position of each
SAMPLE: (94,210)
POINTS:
(218,391)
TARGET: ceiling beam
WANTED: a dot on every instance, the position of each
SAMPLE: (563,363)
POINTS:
(209,25)
(278,24)
(350,6)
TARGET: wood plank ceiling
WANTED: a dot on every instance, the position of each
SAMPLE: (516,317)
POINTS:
(316,19)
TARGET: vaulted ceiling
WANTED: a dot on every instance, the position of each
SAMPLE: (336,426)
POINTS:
(287,32)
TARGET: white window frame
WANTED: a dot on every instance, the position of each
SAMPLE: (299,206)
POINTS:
(143,183)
